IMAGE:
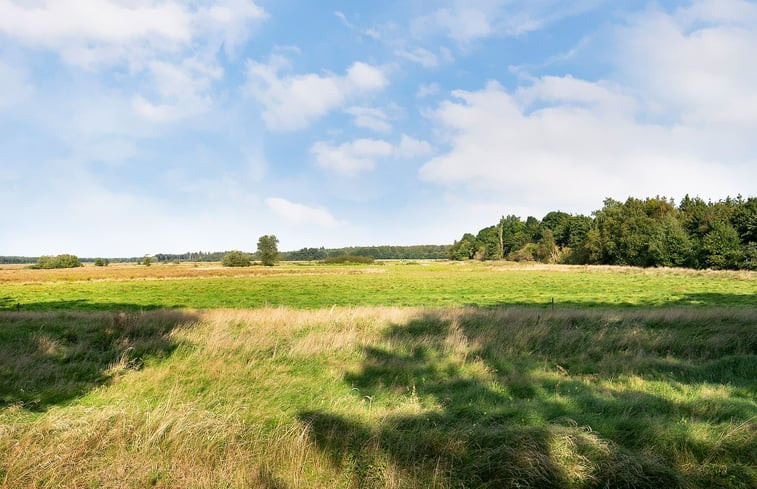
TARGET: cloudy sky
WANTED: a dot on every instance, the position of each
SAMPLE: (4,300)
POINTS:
(130,127)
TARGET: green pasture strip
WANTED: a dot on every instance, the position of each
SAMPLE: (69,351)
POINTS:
(401,285)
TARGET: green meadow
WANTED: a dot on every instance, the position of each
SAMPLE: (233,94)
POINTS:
(389,376)
(395,284)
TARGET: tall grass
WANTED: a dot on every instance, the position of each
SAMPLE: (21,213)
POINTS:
(380,397)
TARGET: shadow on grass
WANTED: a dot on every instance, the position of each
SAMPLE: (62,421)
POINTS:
(503,398)
(9,304)
(50,358)
(694,300)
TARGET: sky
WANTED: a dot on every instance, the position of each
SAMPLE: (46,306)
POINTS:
(132,127)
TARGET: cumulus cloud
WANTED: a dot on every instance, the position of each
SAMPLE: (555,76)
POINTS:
(370,118)
(680,118)
(350,158)
(695,63)
(183,89)
(301,214)
(412,148)
(574,142)
(294,101)
(90,33)
(361,155)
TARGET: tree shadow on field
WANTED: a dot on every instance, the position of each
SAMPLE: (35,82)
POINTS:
(50,358)
(518,398)
(693,300)
(9,304)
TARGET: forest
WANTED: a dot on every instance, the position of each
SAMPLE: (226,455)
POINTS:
(652,232)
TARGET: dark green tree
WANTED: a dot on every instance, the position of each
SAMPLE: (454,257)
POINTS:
(721,247)
(463,249)
(488,244)
(268,249)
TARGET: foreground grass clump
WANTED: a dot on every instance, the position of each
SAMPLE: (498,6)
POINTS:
(380,397)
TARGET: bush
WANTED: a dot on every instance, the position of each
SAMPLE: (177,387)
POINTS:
(526,253)
(60,261)
(100,262)
(348,259)
(236,258)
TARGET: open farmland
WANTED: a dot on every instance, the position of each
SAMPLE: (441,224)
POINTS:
(129,287)
(391,375)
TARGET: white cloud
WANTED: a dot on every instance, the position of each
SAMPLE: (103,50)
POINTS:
(680,118)
(350,158)
(412,148)
(182,88)
(696,63)
(343,19)
(422,56)
(426,89)
(465,21)
(90,33)
(571,143)
(301,214)
(294,101)
(370,118)
(361,154)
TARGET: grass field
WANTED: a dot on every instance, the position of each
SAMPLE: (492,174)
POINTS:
(131,287)
(638,378)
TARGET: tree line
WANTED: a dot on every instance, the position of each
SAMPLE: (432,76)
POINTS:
(413,252)
(649,233)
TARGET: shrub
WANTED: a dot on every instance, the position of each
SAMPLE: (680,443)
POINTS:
(102,262)
(236,258)
(526,253)
(60,261)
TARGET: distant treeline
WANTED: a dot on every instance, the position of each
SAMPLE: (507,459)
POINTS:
(16,260)
(417,252)
(648,233)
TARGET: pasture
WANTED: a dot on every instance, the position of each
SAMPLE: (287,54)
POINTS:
(393,375)
(433,284)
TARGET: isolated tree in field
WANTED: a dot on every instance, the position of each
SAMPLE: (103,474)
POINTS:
(99,262)
(268,250)
(236,258)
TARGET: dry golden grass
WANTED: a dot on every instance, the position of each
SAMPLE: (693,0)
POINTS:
(130,271)
(389,397)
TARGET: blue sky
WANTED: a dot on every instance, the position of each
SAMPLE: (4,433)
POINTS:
(130,127)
